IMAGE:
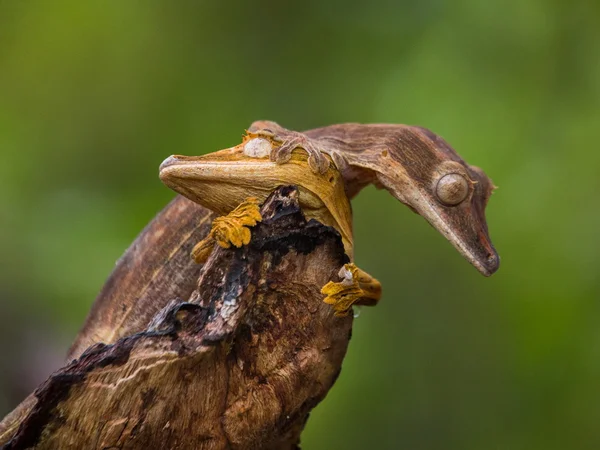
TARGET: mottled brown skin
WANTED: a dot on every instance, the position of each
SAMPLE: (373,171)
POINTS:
(407,161)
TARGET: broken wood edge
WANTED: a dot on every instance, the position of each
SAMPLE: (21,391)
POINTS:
(240,364)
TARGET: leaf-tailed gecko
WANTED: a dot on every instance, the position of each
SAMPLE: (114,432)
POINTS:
(330,165)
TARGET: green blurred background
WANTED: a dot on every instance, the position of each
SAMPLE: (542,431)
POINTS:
(94,95)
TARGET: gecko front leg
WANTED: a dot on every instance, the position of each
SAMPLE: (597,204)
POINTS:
(356,288)
(289,141)
(232,229)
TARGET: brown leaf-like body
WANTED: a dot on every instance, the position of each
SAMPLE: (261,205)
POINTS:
(409,162)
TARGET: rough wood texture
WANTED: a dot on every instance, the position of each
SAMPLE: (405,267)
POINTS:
(238,365)
(155,268)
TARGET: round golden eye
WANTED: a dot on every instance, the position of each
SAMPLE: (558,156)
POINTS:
(452,189)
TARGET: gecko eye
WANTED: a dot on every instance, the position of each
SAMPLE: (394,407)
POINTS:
(452,189)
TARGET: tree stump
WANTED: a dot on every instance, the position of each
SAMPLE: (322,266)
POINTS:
(237,365)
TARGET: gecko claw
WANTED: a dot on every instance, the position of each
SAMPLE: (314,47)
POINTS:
(203,249)
(316,159)
(232,229)
(290,141)
(356,288)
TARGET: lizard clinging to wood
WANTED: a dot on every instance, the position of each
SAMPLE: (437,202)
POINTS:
(330,165)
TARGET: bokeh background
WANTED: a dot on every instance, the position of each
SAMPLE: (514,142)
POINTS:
(94,95)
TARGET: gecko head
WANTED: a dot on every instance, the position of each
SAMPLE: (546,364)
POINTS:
(179,173)
(422,171)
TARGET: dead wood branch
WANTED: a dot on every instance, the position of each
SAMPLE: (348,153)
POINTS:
(239,364)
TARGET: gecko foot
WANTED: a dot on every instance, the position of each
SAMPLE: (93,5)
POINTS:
(232,229)
(356,288)
(290,141)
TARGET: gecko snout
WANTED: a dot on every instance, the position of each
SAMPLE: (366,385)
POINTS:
(174,170)
(494,263)
(167,162)
(176,167)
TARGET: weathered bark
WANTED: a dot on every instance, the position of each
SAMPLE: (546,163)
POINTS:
(155,269)
(239,364)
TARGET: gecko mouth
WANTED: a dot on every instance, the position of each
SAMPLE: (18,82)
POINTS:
(486,263)
(464,225)
(474,245)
